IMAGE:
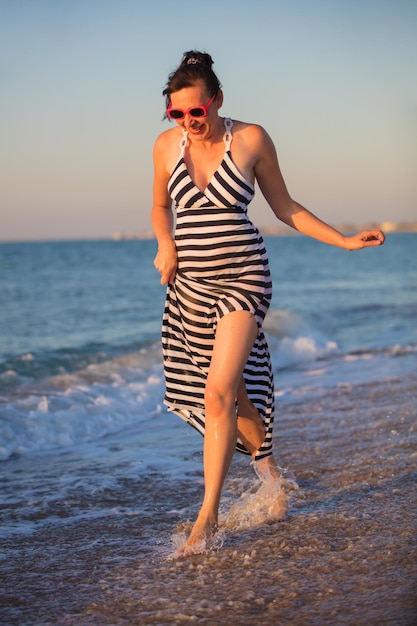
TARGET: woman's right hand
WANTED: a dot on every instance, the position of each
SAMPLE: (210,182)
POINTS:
(166,263)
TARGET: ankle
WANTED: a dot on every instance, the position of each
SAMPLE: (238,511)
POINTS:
(267,468)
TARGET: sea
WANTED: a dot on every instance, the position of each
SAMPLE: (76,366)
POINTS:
(98,482)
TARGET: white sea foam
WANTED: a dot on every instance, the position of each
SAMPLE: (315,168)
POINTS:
(73,408)
(294,341)
(103,398)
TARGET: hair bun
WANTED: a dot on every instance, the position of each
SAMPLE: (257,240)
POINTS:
(194,57)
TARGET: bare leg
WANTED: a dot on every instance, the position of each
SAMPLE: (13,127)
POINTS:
(251,430)
(252,433)
(235,335)
(249,423)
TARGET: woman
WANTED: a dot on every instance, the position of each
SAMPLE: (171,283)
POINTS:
(216,359)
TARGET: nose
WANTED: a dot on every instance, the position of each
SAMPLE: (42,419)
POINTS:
(189,121)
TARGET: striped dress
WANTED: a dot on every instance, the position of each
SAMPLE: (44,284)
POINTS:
(222,267)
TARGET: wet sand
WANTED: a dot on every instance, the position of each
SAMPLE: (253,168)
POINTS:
(347,553)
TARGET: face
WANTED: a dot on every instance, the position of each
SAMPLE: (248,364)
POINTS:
(189,97)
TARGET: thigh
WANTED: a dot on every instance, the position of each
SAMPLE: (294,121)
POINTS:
(235,335)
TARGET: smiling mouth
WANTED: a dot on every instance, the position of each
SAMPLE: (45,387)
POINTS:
(195,129)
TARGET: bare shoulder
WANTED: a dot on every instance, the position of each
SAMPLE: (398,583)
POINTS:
(251,144)
(253,136)
(248,129)
(167,138)
(166,148)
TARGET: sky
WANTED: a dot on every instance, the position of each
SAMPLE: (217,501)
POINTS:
(334,82)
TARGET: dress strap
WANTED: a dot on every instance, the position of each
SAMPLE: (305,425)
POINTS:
(227,137)
(183,142)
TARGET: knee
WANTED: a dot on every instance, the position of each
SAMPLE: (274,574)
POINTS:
(218,402)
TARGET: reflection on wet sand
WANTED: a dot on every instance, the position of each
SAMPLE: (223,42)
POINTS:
(346,554)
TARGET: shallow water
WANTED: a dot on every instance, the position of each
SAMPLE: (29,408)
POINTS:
(97,481)
(346,554)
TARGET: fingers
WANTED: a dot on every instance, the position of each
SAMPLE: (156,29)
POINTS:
(166,266)
(167,275)
(365,239)
(167,278)
(373,237)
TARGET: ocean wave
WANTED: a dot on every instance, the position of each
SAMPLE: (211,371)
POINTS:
(294,341)
(72,408)
(107,394)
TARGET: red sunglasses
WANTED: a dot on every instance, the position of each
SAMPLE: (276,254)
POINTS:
(199,111)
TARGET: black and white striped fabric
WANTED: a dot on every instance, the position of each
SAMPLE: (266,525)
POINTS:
(222,267)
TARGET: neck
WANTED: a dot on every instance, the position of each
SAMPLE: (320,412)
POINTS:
(215,135)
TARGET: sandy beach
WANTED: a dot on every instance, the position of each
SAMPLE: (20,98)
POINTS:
(346,554)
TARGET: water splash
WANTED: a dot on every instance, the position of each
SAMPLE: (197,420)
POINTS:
(264,502)
(205,545)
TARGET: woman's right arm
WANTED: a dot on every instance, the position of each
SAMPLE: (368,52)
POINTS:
(161,215)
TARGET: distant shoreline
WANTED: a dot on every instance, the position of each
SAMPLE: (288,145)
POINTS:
(270,231)
(285,231)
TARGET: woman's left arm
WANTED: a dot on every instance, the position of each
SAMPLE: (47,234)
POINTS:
(272,185)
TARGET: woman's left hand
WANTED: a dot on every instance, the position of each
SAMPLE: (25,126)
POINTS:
(365,239)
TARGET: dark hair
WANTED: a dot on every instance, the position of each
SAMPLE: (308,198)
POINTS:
(194,66)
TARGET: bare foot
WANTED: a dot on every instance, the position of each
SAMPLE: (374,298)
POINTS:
(266,501)
(267,469)
(279,506)
(203,537)
(273,487)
